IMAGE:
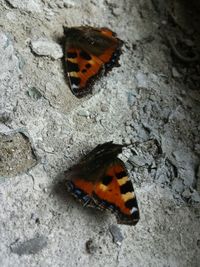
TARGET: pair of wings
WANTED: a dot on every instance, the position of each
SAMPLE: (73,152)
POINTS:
(89,51)
(100,180)
(110,190)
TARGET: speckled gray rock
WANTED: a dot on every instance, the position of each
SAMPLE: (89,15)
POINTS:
(177,185)
(27,5)
(187,193)
(9,73)
(141,79)
(116,234)
(16,154)
(70,3)
(44,47)
(31,246)
(195,196)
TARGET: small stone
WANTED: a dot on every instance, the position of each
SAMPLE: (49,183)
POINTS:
(183,92)
(177,185)
(40,64)
(195,196)
(175,73)
(164,22)
(153,97)
(34,93)
(4,129)
(131,99)
(116,234)
(31,246)
(186,194)
(16,154)
(83,113)
(47,48)
(69,3)
(104,108)
(5,117)
(141,80)
(137,161)
(90,247)
(45,190)
(27,5)
(49,149)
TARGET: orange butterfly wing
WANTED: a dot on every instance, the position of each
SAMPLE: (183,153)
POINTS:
(114,192)
(80,70)
(86,60)
(115,188)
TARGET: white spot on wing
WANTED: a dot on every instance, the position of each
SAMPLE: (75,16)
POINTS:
(134,209)
(74,86)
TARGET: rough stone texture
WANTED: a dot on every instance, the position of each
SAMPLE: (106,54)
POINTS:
(31,246)
(16,154)
(27,5)
(151,103)
(116,234)
(47,48)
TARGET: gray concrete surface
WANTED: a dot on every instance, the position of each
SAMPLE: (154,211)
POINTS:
(151,102)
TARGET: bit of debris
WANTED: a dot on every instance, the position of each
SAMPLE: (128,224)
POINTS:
(34,93)
(31,246)
(90,247)
(116,234)
(16,154)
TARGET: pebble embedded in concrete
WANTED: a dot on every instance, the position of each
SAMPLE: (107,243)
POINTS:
(195,196)
(16,154)
(175,73)
(83,113)
(186,193)
(116,234)
(44,47)
(141,79)
(26,5)
(31,246)
(177,185)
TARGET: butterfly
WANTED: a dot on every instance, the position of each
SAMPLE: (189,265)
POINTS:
(100,180)
(88,52)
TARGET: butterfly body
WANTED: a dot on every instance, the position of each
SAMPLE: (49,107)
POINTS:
(101,181)
(89,51)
